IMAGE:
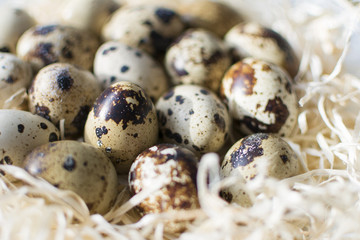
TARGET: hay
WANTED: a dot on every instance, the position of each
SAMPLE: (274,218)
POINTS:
(322,203)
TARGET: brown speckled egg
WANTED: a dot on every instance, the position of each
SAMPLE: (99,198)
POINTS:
(260,97)
(122,124)
(194,117)
(14,75)
(45,44)
(253,40)
(197,57)
(20,133)
(214,16)
(87,14)
(254,154)
(14,22)
(78,167)
(146,27)
(172,165)
(115,61)
(62,91)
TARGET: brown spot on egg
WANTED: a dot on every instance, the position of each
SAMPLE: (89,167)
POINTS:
(64,80)
(80,118)
(43,126)
(53,137)
(249,149)
(44,30)
(42,111)
(21,128)
(175,136)
(274,106)
(44,51)
(266,68)
(10,79)
(69,164)
(284,158)
(113,105)
(220,122)
(180,99)
(243,78)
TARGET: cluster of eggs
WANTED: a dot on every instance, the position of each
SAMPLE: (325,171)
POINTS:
(99,76)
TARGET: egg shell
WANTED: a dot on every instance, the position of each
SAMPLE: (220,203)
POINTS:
(147,27)
(62,91)
(260,97)
(20,133)
(78,167)
(251,39)
(213,16)
(88,15)
(193,117)
(14,75)
(14,22)
(263,153)
(172,165)
(122,124)
(42,45)
(116,61)
(197,57)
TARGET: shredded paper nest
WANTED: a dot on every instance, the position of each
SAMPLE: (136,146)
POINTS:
(322,203)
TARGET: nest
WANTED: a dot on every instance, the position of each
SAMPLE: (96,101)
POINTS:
(322,203)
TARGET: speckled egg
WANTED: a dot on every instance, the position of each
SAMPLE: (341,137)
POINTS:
(259,153)
(14,75)
(45,44)
(214,16)
(62,91)
(79,167)
(115,61)
(20,133)
(87,14)
(253,40)
(146,27)
(172,165)
(260,97)
(194,117)
(122,124)
(197,57)
(14,22)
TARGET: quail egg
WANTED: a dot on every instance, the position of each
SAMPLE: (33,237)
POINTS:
(78,167)
(214,16)
(197,57)
(259,153)
(146,27)
(20,133)
(14,75)
(172,165)
(122,124)
(193,117)
(14,22)
(62,91)
(115,61)
(45,44)
(260,97)
(253,40)
(89,15)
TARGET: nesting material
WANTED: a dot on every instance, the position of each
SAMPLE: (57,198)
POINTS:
(322,203)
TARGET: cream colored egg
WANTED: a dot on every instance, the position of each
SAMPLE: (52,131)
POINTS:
(197,57)
(214,16)
(62,91)
(259,153)
(122,124)
(116,61)
(260,97)
(45,44)
(14,75)
(146,27)
(14,22)
(193,117)
(79,167)
(20,133)
(87,14)
(253,40)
